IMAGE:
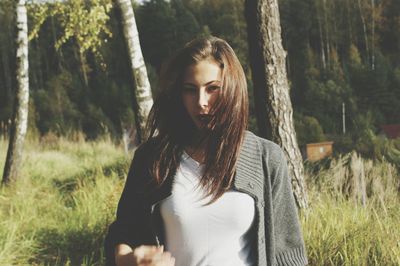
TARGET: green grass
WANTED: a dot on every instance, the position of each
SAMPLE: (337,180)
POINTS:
(354,215)
(58,211)
(341,232)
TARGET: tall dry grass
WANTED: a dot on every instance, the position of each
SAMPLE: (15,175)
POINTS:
(354,212)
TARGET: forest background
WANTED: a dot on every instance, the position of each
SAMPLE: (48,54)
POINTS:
(339,52)
(81,103)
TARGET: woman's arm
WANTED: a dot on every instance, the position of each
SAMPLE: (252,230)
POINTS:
(284,229)
(132,226)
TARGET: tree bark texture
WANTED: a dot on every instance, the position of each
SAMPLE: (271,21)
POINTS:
(271,88)
(20,115)
(143,96)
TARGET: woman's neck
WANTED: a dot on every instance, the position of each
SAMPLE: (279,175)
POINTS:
(196,153)
(197,148)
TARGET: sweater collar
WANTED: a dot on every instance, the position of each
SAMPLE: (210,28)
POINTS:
(248,176)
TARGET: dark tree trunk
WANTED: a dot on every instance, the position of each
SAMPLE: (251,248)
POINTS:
(271,87)
(6,72)
(20,115)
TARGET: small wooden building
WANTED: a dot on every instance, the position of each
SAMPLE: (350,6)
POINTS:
(391,131)
(318,151)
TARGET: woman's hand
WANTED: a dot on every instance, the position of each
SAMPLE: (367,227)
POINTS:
(143,256)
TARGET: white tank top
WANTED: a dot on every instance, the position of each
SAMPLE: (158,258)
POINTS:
(206,235)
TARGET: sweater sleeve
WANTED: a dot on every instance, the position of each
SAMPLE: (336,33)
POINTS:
(132,225)
(289,245)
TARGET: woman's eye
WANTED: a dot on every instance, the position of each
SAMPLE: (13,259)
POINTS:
(213,88)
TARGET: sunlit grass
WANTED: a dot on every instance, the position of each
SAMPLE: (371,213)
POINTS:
(342,232)
(58,211)
(354,213)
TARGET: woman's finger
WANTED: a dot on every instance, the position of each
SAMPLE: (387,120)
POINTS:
(164,259)
(146,251)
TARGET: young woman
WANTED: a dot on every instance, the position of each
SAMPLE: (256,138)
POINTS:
(202,190)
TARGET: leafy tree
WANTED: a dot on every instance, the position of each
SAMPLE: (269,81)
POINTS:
(164,27)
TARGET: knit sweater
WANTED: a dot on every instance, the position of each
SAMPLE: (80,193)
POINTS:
(261,172)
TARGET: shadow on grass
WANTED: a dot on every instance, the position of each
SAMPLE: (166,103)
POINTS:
(71,246)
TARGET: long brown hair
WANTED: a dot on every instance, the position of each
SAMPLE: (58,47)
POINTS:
(172,128)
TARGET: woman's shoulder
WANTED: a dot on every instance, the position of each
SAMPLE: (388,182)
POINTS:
(269,150)
(147,147)
(146,152)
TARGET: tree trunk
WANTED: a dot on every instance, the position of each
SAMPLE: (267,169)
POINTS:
(271,87)
(327,39)
(143,96)
(373,35)
(321,38)
(364,30)
(20,116)
(6,70)
(59,53)
(349,25)
(83,64)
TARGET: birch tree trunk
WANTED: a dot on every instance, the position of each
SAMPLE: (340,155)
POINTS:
(143,96)
(20,116)
(321,38)
(349,24)
(364,29)
(327,39)
(373,35)
(271,87)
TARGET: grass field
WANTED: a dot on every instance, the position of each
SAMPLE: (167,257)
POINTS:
(58,211)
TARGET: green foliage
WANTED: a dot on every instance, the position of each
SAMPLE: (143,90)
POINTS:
(225,19)
(308,130)
(55,109)
(164,27)
(328,61)
(324,101)
(85,21)
(366,142)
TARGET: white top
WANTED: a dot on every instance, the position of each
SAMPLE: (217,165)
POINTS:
(210,235)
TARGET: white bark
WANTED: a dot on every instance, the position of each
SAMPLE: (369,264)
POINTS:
(327,39)
(321,39)
(20,116)
(143,95)
(373,35)
(364,29)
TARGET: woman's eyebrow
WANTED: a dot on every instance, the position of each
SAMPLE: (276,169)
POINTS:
(208,83)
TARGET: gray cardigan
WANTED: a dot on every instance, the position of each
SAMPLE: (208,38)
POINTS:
(261,172)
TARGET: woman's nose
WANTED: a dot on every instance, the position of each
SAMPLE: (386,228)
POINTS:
(203,98)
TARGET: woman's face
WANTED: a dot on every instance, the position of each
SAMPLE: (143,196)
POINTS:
(201,89)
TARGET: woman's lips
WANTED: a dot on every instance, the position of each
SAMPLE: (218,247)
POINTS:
(204,118)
